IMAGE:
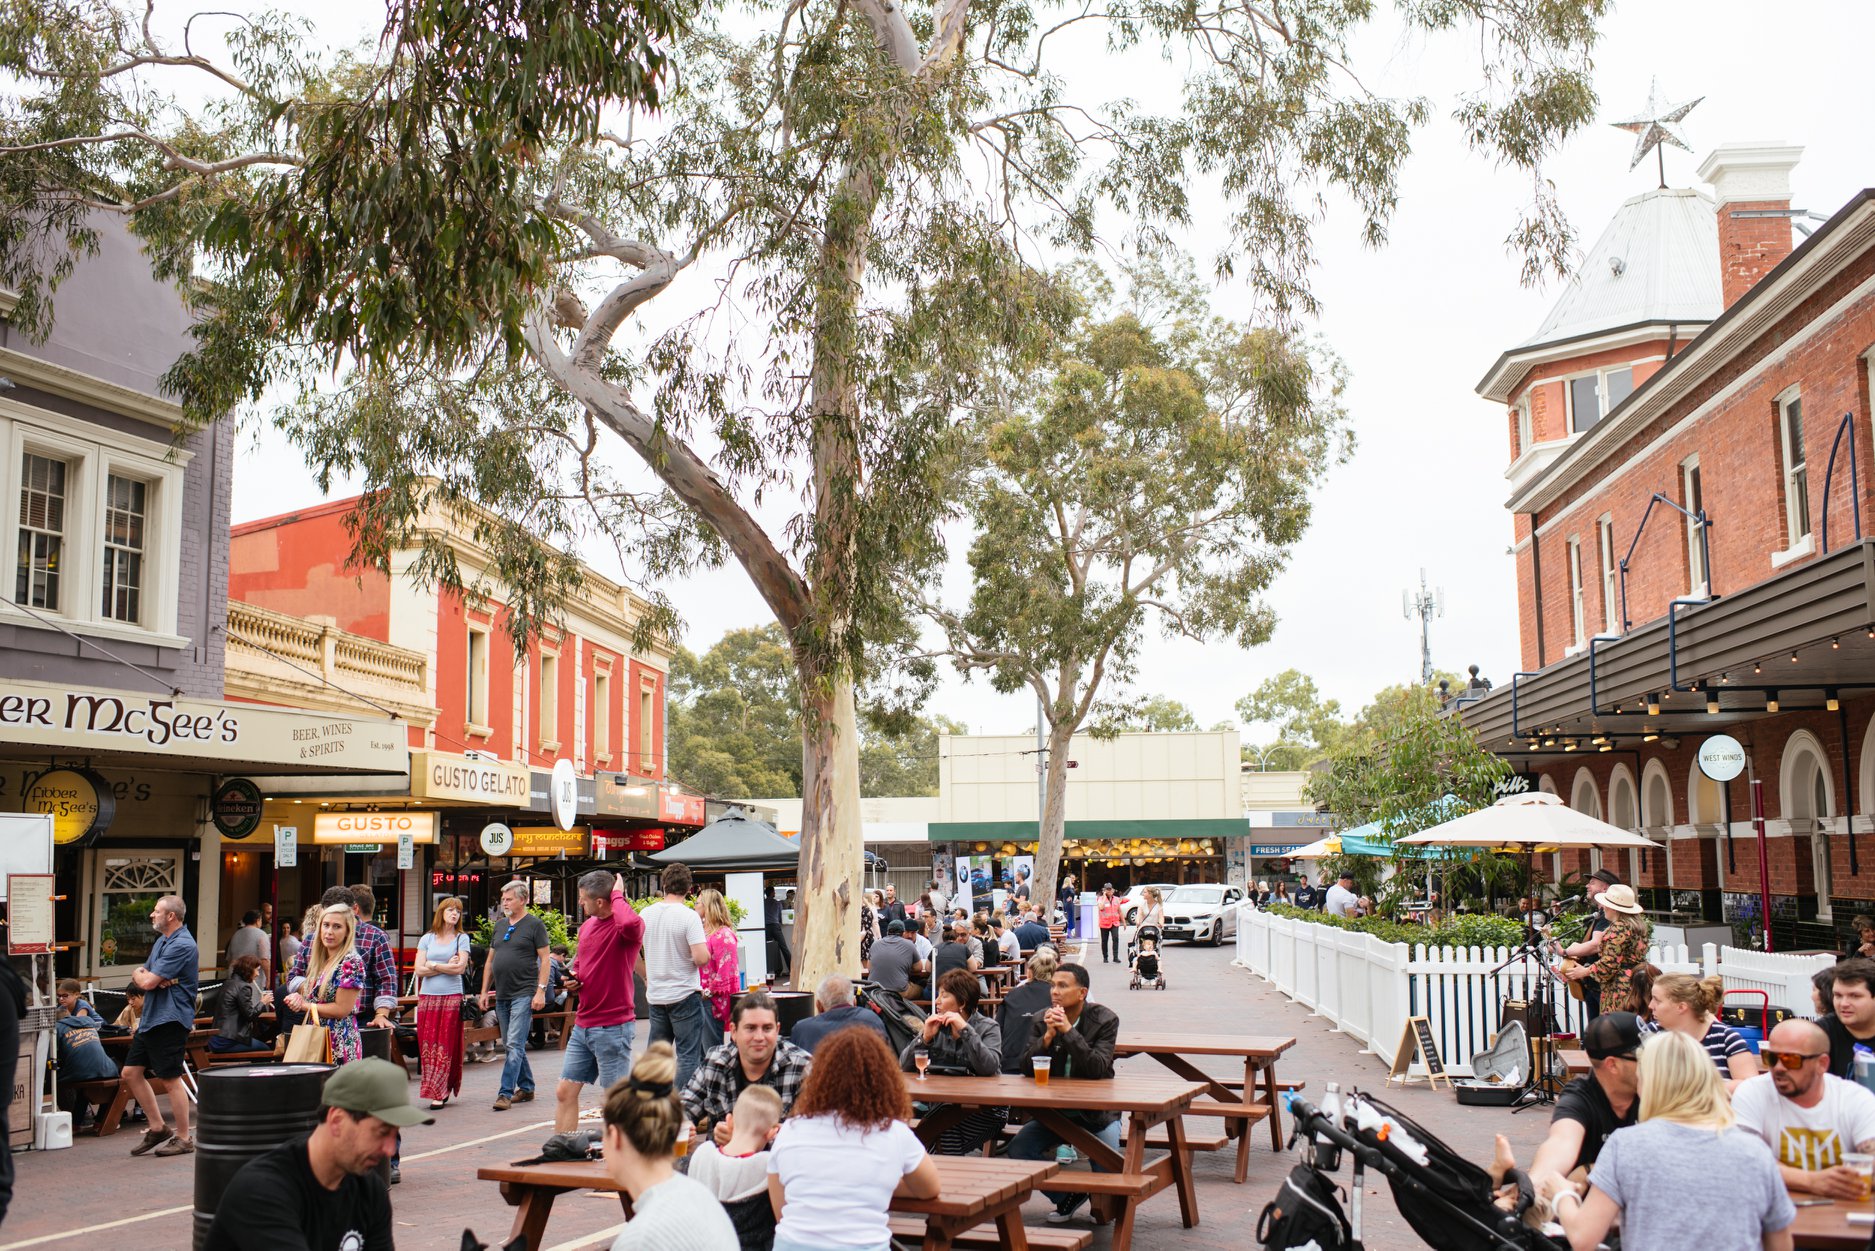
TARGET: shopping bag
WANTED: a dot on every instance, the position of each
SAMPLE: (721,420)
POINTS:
(309,1044)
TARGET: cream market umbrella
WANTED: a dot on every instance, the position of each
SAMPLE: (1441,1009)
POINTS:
(1534,820)
(1330,846)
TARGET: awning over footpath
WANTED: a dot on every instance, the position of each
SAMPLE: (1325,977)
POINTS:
(732,841)
(1024,831)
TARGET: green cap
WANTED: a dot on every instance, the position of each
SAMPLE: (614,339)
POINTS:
(376,1088)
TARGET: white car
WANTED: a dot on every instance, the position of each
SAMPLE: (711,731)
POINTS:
(1134,901)
(1204,913)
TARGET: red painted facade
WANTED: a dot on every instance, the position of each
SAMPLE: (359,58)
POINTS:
(295,563)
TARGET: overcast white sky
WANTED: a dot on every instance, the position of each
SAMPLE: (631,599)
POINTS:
(1418,324)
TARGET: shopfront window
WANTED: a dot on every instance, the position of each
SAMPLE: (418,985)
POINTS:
(382,870)
(131,885)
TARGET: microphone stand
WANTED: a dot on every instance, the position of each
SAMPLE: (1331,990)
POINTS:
(1543,1088)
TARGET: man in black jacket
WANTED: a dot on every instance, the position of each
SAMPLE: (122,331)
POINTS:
(1078,1037)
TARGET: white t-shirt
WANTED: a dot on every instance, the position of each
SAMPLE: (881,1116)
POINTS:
(728,1177)
(670,973)
(839,1180)
(1807,1138)
(1342,902)
(1009,944)
(924,947)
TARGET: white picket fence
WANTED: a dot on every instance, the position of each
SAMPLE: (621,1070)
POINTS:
(1368,989)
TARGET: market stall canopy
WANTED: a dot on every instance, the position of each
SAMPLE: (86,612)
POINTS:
(1527,822)
(732,841)
(1330,846)
(1360,841)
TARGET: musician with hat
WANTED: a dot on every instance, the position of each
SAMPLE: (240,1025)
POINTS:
(1589,949)
(1622,949)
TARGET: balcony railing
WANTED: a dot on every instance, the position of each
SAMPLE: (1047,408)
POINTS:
(270,653)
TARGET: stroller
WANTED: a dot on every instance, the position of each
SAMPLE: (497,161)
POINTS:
(1445,1197)
(1143,955)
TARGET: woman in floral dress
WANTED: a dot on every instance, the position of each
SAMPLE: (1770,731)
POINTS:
(1623,950)
(869,910)
(721,983)
(334,977)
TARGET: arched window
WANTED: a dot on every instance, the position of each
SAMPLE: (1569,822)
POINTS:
(1625,812)
(1704,805)
(1657,810)
(1587,800)
(1809,802)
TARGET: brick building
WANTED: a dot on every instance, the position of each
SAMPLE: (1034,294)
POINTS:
(1691,465)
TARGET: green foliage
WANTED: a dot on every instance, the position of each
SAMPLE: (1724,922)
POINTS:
(735,725)
(561,930)
(1461,930)
(1159,713)
(1307,725)
(736,912)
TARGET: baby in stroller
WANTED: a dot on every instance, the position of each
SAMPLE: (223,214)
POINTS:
(1144,958)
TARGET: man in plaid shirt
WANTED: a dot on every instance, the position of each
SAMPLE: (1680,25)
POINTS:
(378,997)
(756,1054)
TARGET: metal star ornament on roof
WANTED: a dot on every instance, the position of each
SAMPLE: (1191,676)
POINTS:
(1658,124)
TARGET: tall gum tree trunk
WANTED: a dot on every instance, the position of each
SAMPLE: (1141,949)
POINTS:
(826,912)
(1054,813)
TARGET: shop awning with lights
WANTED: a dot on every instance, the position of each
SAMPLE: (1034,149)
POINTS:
(1797,641)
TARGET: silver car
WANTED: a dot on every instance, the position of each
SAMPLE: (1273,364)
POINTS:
(1204,913)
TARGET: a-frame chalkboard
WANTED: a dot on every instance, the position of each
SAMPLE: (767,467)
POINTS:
(1417,1042)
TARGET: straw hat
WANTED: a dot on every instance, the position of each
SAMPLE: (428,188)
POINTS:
(1620,899)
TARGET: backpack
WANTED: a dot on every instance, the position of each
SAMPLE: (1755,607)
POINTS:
(1304,1214)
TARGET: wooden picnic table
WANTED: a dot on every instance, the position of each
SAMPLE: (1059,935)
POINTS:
(975,1191)
(1239,1107)
(1128,1177)
(1826,1227)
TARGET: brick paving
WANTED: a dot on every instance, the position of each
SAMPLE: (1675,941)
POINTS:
(63,1198)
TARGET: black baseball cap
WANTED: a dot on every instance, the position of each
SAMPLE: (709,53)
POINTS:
(1608,877)
(895,927)
(1612,1034)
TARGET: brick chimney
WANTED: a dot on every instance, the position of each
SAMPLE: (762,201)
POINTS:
(1749,179)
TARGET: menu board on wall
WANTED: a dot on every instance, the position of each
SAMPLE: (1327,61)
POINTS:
(29,914)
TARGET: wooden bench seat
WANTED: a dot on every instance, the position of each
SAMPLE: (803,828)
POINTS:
(1234,1111)
(1214,1141)
(1088,1182)
(1044,1237)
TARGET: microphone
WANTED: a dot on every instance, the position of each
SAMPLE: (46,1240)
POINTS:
(1571,901)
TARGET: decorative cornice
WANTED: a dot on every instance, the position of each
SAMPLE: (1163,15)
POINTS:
(74,385)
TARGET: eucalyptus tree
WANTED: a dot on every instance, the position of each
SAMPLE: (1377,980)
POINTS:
(770,251)
(1155,474)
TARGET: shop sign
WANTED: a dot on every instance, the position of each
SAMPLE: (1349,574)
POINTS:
(80,803)
(375,828)
(442,877)
(235,807)
(547,840)
(612,842)
(1275,849)
(622,796)
(563,794)
(1300,821)
(103,721)
(1721,757)
(679,808)
(361,849)
(541,787)
(441,775)
(496,839)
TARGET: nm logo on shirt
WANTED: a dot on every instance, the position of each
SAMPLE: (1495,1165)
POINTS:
(1809,1148)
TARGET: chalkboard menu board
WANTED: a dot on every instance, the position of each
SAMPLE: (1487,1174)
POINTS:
(1417,1043)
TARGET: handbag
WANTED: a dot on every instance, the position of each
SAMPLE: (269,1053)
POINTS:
(309,1044)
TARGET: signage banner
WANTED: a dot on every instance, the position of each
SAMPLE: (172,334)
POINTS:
(29,914)
(1295,820)
(1721,757)
(333,828)
(80,803)
(563,794)
(679,808)
(540,789)
(460,779)
(406,852)
(285,847)
(1273,849)
(612,842)
(548,840)
(235,807)
(68,720)
(621,796)
(496,839)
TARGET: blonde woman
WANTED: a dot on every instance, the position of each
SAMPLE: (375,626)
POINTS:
(720,982)
(1686,1005)
(442,959)
(643,1115)
(334,976)
(1151,909)
(1687,1178)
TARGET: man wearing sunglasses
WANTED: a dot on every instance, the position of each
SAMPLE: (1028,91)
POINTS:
(1593,1107)
(1809,1116)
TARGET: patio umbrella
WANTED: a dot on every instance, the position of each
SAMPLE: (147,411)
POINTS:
(1330,846)
(1527,822)
(734,841)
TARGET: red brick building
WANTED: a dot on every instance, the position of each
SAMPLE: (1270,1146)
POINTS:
(1691,477)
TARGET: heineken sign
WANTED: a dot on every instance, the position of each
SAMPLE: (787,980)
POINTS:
(235,808)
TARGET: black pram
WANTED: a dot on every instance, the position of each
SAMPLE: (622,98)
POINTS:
(1445,1197)
(1144,958)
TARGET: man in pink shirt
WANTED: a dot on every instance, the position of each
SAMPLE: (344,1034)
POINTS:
(599,1050)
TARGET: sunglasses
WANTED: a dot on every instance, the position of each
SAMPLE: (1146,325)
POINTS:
(1791,1060)
(510,933)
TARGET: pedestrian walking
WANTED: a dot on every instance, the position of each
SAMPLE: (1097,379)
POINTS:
(722,980)
(1109,918)
(515,977)
(675,951)
(599,1048)
(442,958)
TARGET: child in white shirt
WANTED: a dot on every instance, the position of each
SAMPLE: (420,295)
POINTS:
(737,1174)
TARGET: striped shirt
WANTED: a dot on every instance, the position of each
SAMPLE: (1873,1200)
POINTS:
(1722,1042)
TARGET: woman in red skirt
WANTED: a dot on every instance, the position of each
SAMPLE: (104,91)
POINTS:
(442,958)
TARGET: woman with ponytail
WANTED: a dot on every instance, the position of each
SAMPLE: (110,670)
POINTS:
(642,1118)
(1686,1005)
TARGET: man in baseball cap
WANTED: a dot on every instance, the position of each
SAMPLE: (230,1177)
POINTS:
(1593,1107)
(323,1192)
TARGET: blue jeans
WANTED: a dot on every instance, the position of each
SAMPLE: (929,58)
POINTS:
(687,1026)
(599,1054)
(515,1017)
(1036,1141)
